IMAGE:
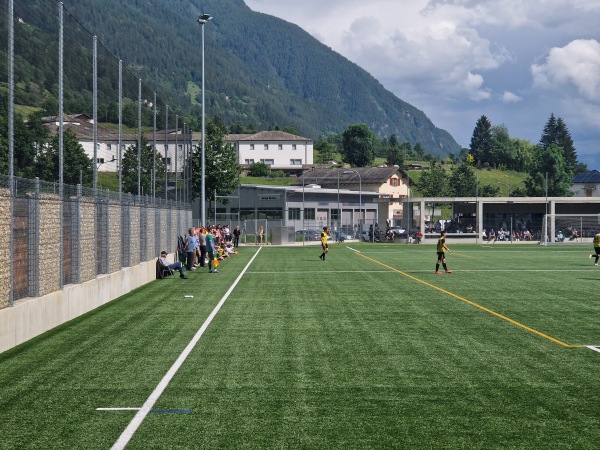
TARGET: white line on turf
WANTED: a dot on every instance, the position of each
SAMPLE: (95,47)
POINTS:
(594,347)
(118,409)
(295,272)
(353,249)
(155,395)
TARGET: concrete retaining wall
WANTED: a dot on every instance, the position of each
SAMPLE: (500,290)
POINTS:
(31,317)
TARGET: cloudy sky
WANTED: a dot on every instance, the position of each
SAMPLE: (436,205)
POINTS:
(516,61)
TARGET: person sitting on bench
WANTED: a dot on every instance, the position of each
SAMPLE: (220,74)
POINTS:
(175,266)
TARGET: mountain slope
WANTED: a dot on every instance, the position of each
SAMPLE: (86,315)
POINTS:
(259,69)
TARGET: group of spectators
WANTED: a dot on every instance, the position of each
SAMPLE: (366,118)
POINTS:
(506,235)
(204,247)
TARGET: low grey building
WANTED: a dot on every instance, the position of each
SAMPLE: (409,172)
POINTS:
(298,207)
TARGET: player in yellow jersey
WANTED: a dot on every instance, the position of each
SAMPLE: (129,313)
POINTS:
(324,235)
(596,248)
(442,248)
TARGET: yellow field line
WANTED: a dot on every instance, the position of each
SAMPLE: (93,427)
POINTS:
(476,305)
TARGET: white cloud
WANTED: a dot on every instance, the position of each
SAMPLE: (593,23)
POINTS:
(575,65)
(510,97)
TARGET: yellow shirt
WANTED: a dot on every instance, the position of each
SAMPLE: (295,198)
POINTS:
(324,236)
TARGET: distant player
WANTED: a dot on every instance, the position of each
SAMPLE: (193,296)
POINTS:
(442,248)
(596,248)
(324,235)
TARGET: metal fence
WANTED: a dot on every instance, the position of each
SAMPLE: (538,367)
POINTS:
(71,235)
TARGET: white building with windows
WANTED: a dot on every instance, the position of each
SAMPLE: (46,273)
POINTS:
(277,149)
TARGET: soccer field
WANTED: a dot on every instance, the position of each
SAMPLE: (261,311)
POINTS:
(367,349)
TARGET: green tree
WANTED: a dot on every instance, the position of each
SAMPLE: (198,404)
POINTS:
(358,145)
(523,154)
(550,161)
(395,153)
(77,166)
(556,133)
(419,151)
(481,140)
(488,190)
(433,182)
(221,165)
(502,153)
(325,150)
(258,170)
(463,181)
(130,168)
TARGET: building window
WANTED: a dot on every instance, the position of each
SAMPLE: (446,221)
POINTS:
(309,214)
(249,161)
(294,214)
(296,162)
(109,147)
(266,146)
(251,146)
(268,162)
(279,146)
(335,214)
(99,160)
(393,181)
(293,146)
(166,161)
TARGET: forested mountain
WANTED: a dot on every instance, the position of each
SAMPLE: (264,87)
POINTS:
(260,70)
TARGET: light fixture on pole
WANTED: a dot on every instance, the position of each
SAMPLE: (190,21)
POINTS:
(202,20)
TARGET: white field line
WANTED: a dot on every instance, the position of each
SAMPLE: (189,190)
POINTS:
(596,348)
(118,409)
(295,272)
(155,395)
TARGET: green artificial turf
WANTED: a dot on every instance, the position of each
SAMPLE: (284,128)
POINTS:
(368,349)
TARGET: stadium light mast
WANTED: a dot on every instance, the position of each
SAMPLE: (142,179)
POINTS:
(359,193)
(203,20)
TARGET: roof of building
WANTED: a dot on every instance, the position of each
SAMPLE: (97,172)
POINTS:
(266,136)
(592,177)
(366,175)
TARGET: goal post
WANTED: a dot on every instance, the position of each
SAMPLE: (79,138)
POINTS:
(569,228)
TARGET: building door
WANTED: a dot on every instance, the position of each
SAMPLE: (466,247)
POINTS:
(322,217)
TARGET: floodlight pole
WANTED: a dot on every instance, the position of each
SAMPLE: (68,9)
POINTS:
(359,197)
(202,20)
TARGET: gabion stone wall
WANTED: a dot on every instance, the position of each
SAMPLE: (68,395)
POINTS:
(114,231)
(135,233)
(150,234)
(49,244)
(4,247)
(88,239)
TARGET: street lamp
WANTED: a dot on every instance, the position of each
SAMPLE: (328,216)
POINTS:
(202,20)
(359,192)
(507,185)
(339,210)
